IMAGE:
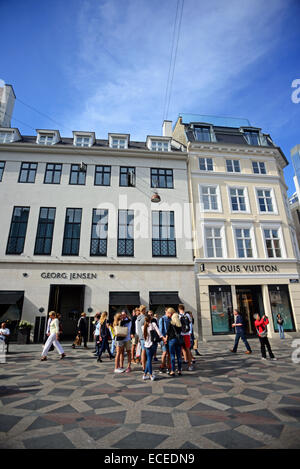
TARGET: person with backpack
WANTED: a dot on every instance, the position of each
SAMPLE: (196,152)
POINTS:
(174,339)
(163,325)
(262,332)
(186,331)
(152,336)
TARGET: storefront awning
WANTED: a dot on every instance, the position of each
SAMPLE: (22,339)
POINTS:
(164,298)
(10,297)
(120,298)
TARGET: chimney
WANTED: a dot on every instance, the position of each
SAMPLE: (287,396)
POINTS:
(7,102)
(167,129)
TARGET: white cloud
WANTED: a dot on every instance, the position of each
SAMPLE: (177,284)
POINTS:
(120,68)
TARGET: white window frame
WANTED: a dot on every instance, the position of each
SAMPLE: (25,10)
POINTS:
(274,204)
(42,135)
(246,195)
(218,195)
(120,138)
(205,158)
(259,168)
(232,163)
(83,135)
(245,226)
(155,145)
(218,225)
(278,227)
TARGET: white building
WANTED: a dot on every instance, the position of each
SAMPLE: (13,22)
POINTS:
(79,231)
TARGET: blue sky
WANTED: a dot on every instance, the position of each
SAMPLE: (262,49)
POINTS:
(102,65)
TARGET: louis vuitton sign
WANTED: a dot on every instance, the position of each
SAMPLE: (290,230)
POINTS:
(247,268)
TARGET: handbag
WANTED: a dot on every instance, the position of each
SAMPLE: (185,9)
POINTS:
(264,333)
(120,331)
(78,340)
(154,336)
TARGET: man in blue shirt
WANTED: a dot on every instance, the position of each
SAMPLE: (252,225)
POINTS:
(163,327)
(239,332)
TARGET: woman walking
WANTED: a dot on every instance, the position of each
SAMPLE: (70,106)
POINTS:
(151,335)
(262,332)
(119,347)
(103,337)
(53,338)
(280,322)
(174,341)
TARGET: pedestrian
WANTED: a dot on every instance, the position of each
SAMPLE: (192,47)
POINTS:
(174,339)
(113,339)
(53,338)
(186,324)
(153,319)
(124,342)
(163,325)
(139,329)
(47,333)
(239,332)
(133,335)
(151,335)
(83,329)
(262,332)
(280,322)
(103,337)
(97,333)
(4,335)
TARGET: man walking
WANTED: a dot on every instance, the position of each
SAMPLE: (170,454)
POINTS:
(239,332)
(83,328)
(163,327)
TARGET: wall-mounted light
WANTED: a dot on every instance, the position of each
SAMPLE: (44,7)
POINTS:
(25,275)
(111,276)
(41,310)
(90,310)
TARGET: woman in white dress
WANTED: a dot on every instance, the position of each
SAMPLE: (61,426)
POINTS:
(53,338)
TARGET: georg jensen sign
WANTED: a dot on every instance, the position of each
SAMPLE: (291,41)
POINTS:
(68,276)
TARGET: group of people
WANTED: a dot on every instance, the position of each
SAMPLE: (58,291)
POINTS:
(140,334)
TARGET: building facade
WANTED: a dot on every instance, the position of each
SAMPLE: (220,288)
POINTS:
(80,230)
(245,247)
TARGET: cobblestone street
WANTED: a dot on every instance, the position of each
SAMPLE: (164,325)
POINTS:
(228,401)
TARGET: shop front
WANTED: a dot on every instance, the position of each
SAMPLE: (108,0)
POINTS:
(250,288)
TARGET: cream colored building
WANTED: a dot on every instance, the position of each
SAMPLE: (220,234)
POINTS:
(245,247)
(79,231)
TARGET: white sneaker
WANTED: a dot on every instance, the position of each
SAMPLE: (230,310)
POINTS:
(263,358)
(146,377)
(119,370)
(190,368)
(153,378)
(274,359)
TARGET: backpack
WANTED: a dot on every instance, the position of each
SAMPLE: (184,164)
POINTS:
(185,323)
(162,325)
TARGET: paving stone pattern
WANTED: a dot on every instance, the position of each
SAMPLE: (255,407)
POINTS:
(228,401)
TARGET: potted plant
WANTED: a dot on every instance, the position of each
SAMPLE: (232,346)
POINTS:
(24,328)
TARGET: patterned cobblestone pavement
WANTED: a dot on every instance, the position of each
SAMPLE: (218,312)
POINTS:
(228,401)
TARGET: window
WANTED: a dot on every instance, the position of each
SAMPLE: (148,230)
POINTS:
(202,134)
(209,196)
(72,232)
(53,173)
(118,143)
(45,139)
(127,176)
(281,304)
(163,234)
(99,232)
(18,228)
(265,203)
(238,199)
(233,166)
(82,141)
(206,164)
(2,166)
(259,167)
(28,172)
(44,236)
(252,137)
(159,145)
(272,241)
(77,174)
(213,240)
(6,137)
(125,233)
(243,242)
(102,175)
(221,308)
(162,178)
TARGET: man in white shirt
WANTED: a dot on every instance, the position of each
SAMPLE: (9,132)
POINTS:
(4,332)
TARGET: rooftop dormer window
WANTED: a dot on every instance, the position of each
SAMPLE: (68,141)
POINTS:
(158,143)
(83,139)
(45,137)
(252,137)
(202,134)
(118,141)
(9,135)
